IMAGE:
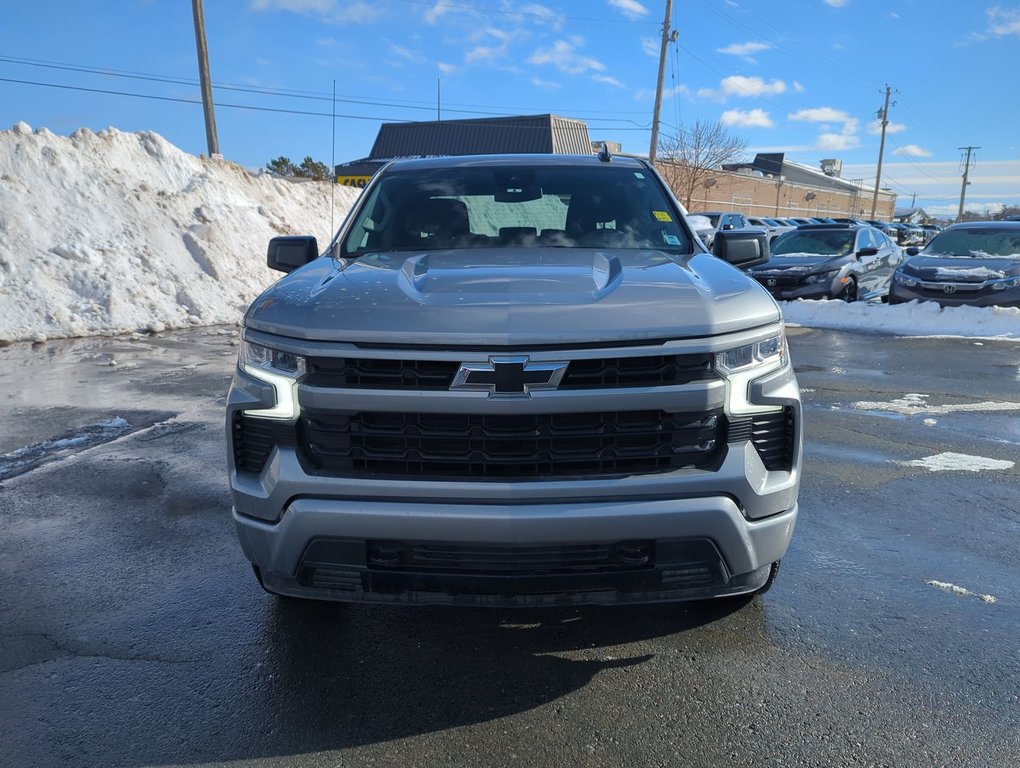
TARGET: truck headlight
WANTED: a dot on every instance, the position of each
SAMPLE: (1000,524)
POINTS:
(765,354)
(279,369)
(741,366)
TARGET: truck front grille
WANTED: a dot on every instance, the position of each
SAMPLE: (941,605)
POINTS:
(496,447)
(371,373)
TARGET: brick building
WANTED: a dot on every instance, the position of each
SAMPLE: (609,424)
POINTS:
(773,185)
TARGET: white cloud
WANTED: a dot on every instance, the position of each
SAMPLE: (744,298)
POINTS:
(740,85)
(650,46)
(437,11)
(828,139)
(744,49)
(837,141)
(1003,21)
(331,11)
(446,69)
(821,115)
(632,9)
(547,84)
(797,87)
(836,3)
(875,127)
(912,150)
(607,80)
(405,53)
(753,118)
(564,56)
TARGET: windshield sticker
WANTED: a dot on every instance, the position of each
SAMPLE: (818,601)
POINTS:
(671,239)
(662,216)
(638,175)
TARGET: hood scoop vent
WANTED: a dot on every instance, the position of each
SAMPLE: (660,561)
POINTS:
(473,277)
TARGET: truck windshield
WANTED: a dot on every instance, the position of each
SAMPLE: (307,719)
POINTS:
(538,206)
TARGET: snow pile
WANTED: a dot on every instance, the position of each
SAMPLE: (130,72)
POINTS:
(911,319)
(114,232)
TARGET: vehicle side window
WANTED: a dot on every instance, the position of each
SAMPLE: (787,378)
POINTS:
(864,239)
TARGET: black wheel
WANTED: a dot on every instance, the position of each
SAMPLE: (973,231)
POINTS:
(773,572)
(849,292)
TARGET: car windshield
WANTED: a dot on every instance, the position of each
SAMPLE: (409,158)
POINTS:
(712,217)
(425,209)
(978,242)
(814,243)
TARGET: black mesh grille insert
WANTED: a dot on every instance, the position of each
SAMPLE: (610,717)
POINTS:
(509,560)
(370,373)
(663,370)
(771,434)
(477,446)
(254,440)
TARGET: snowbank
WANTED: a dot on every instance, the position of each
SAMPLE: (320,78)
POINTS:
(112,232)
(911,319)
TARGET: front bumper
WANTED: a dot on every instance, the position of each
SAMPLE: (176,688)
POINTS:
(899,293)
(287,512)
(322,549)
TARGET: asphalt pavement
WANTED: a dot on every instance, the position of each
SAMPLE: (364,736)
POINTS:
(132,632)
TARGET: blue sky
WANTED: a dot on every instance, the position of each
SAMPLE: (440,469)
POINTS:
(804,76)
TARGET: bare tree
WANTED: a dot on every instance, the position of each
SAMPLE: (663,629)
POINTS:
(691,155)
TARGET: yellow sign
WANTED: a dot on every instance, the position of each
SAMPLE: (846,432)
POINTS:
(353,181)
(661,216)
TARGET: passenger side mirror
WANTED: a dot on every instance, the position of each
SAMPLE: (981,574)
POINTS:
(742,249)
(868,251)
(288,253)
(913,250)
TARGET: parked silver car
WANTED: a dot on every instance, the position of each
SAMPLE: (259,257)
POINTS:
(514,381)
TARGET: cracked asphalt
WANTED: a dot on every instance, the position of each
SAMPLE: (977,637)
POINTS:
(132,632)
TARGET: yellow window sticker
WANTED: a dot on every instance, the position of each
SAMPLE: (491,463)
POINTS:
(661,216)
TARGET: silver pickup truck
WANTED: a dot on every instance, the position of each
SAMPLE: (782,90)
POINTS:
(514,380)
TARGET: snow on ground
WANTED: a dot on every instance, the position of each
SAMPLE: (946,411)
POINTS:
(911,319)
(113,232)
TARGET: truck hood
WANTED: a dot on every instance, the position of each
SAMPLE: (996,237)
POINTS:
(512,296)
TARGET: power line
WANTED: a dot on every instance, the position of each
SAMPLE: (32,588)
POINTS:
(250,107)
(296,94)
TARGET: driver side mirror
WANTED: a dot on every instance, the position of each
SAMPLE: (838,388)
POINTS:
(288,253)
(913,250)
(868,252)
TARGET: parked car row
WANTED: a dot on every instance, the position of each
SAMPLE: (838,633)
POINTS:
(975,263)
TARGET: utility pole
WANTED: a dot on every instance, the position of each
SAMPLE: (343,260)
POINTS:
(653,148)
(913,197)
(966,172)
(203,75)
(884,117)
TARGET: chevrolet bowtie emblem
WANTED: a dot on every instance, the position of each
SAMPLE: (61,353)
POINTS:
(513,376)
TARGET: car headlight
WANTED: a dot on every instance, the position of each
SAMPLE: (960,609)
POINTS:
(904,280)
(279,369)
(1001,285)
(824,277)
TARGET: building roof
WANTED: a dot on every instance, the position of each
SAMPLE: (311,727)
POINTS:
(530,134)
(902,213)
